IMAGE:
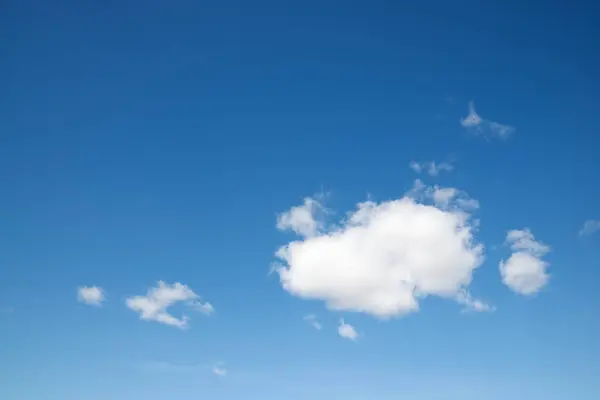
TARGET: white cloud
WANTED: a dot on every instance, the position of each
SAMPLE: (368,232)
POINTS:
(153,306)
(415,166)
(347,331)
(523,240)
(219,371)
(472,304)
(525,272)
(431,167)
(91,295)
(204,308)
(443,198)
(312,319)
(590,227)
(301,219)
(481,126)
(384,257)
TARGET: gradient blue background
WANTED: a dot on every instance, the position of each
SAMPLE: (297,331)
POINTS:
(147,140)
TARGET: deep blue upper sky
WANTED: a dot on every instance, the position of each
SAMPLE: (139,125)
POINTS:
(154,140)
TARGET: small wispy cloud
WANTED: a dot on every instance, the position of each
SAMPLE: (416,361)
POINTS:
(347,331)
(475,124)
(443,197)
(204,308)
(312,319)
(473,305)
(153,306)
(590,227)
(219,371)
(91,295)
(430,167)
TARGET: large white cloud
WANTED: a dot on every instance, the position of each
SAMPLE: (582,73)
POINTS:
(525,272)
(384,257)
(153,306)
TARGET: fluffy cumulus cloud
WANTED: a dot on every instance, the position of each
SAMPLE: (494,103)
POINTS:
(91,295)
(347,331)
(590,227)
(382,258)
(313,321)
(475,124)
(430,167)
(153,306)
(525,272)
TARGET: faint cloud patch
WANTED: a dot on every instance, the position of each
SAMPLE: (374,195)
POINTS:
(590,227)
(312,320)
(430,167)
(171,367)
(477,125)
(219,370)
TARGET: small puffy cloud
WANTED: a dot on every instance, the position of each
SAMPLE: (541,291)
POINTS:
(431,167)
(481,126)
(443,197)
(91,295)
(219,371)
(347,331)
(312,319)
(590,227)
(384,257)
(525,272)
(153,306)
(301,219)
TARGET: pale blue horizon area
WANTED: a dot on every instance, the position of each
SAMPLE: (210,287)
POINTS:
(147,141)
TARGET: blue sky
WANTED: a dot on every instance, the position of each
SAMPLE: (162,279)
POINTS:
(162,141)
